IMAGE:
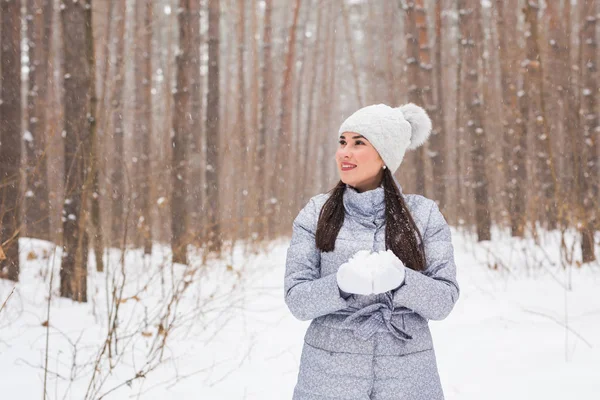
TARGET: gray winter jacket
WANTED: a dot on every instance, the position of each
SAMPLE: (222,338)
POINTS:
(391,323)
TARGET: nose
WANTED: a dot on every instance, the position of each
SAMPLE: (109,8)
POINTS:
(344,153)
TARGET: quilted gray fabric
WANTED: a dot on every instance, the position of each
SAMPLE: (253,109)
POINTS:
(326,375)
(394,323)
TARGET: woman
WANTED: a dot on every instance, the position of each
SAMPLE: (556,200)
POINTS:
(369,337)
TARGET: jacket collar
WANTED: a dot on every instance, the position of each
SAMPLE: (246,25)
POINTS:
(368,205)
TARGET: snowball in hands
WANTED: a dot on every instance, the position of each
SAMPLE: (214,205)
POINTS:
(371,273)
(354,276)
(388,271)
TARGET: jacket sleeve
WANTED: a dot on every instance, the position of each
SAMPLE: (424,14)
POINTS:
(308,295)
(433,292)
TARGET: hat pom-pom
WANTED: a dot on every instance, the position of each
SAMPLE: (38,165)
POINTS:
(420,123)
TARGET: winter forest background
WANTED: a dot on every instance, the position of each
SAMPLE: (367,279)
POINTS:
(154,153)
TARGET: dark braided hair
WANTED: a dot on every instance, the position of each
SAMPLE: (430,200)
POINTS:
(401,233)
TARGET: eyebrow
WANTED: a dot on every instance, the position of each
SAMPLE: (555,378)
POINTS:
(355,137)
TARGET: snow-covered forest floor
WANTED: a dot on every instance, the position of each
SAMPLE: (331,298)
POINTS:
(523,328)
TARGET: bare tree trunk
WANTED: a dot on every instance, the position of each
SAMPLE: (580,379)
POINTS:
(195,154)
(492,117)
(281,180)
(349,43)
(589,113)
(165,146)
(103,112)
(372,42)
(212,127)
(242,187)
(332,104)
(301,137)
(145,117)
(37,201)
(514,134)
(10,133)
(471,32)
(519,171)
(415,91)
(265,119)
(571,111)
(311,133)
(323,115)
(459,116)
(545,164)
(180,137)
(135,153)
(118,156)
(96,192)
(254,163)
(437,142)
(73,272)
(388,23)
(560,70)
(555,53)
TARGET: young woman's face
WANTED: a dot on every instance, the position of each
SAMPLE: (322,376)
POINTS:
(354,150)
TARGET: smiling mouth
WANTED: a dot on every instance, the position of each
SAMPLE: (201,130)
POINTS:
(347,167)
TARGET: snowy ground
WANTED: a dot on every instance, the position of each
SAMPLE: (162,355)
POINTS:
(527,329)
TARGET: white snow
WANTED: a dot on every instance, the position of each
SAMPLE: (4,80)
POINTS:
(369,272)
(523,327)
(27,136)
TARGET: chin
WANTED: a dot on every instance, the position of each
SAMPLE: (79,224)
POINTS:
(348,182)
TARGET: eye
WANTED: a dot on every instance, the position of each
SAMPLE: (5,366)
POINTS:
(342,141)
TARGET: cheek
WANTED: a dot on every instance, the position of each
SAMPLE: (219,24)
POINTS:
(366,157)
(369,162)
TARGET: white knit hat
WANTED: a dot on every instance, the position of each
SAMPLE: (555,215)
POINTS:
(391,130)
